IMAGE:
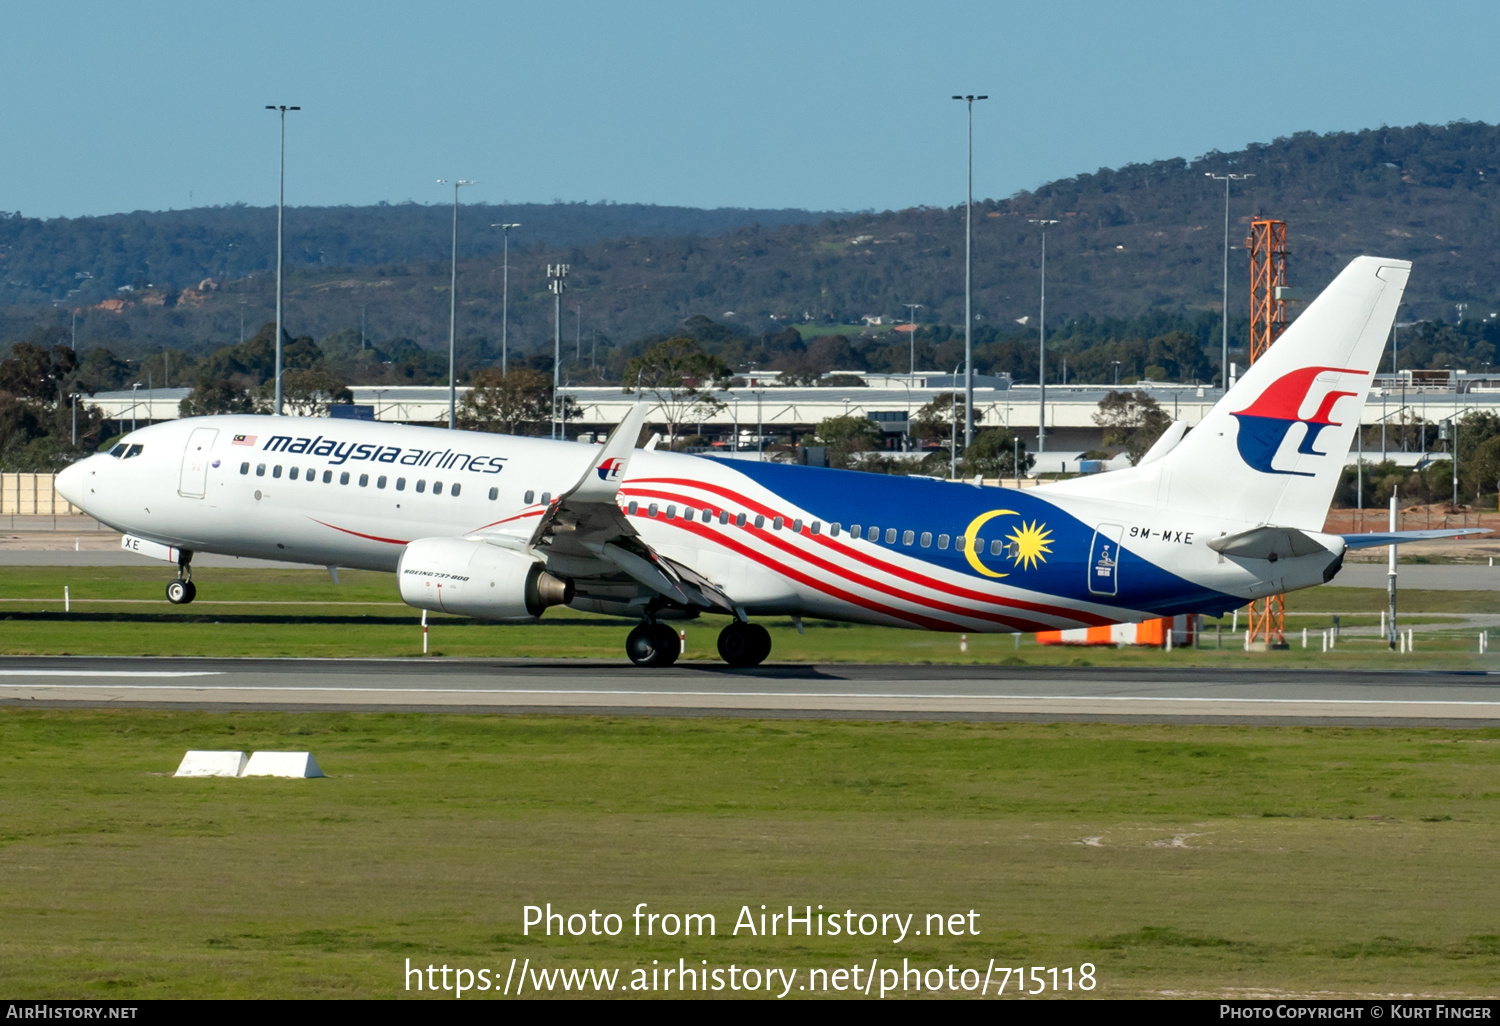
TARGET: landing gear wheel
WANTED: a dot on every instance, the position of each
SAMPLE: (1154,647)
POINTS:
(180,593)
(653,644)
(744,644)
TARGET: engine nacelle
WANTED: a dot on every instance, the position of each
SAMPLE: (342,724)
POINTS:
(474,578)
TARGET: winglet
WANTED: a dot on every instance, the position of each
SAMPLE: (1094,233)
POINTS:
(602,480)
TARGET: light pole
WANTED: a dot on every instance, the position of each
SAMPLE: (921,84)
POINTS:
(505,293)
(1116,365)
(577,333)
(556,273)
(969,279)
(1226,178)
(913,307)
(242,322)
(453,305)
(1041,377)
(280,203)
(133,402)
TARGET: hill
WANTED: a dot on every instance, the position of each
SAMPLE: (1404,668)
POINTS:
(1141,242)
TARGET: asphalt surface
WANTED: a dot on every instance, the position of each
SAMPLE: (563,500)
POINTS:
(1430,698)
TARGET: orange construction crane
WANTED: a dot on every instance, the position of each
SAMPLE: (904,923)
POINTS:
(1268,291)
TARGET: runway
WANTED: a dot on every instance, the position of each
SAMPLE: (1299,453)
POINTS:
(1369,698)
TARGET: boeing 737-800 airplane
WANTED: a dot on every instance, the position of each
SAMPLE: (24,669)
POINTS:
(501,527)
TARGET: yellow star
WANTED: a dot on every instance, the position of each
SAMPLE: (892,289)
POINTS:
(1030,543)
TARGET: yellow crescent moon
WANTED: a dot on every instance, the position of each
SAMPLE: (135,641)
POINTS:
(973,530)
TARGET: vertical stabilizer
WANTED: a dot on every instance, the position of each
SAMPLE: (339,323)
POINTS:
(1272,450)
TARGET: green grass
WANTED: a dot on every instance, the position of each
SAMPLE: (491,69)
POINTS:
(242,612)
(1181,859)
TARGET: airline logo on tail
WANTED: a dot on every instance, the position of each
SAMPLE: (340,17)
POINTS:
(611,468)
(1265,422)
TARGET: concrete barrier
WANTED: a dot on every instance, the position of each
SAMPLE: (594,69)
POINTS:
(32,495)
(282,764)
(211,764)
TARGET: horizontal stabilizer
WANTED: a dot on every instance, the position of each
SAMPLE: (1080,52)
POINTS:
(1267,543)
(1365,541)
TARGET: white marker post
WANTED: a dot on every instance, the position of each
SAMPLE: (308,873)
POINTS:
(424,632)
(67,601)
(1390,585)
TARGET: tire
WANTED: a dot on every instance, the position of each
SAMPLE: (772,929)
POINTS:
(192,591)
(668,645)
(744,644)
(177,593)
(652,645)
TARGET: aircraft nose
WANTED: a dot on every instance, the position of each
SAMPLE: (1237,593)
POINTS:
(69,483)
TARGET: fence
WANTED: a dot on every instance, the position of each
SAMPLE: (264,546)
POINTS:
(32,495)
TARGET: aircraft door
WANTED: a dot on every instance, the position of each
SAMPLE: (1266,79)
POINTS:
(1104,560)
(194,480)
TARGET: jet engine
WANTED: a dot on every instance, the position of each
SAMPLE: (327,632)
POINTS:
(474,578)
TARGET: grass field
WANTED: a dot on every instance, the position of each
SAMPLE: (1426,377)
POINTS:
(1180,860)
(239,612)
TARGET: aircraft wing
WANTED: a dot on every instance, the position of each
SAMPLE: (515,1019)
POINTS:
(584,537)
(1371,539)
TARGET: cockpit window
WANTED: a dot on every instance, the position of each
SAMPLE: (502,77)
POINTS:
(119,450)
(134,450)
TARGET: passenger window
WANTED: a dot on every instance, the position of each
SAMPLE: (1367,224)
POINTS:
(494,493)
(652,510)
(455,489)
(890,536)
(380,481)
(364,480)
(546,498)
(421,485)
(529,498)
(942,541)
(996,547)
(244,468)
(739,521)
(708,515)
(671,512)
(690,514)
(631,509)
(327,477)
(834,529)
(777,523)
(796,527)
(817,527)
(260,470)
(908,537)
(872,534)
(437,488)
(292,473)
(276,471)
(926,539)
(854,532)
(400,484)
(344,478)
(760,521)
(723,516)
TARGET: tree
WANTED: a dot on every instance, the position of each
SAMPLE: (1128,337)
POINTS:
(516,403)
(993,454)
(846,438)
(306,393)
(678,374)
(1131,421)
(211,397)
(934,422)
(37,372)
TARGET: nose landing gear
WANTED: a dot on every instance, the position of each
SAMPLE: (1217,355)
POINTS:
(182,591)
(744,644)
(653,644)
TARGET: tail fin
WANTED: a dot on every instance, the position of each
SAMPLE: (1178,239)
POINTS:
(1272,450)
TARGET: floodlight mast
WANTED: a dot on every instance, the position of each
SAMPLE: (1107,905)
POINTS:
(505,295)
(1224,357)
(913,307)
(969,280)
(453,305)
(280,203)
(1041,377)
(556,273)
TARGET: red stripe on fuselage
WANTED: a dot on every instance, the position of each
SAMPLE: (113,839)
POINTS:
(823,564)
(371,537)
(953,591)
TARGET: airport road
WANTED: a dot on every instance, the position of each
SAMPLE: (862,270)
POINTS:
(1427,698)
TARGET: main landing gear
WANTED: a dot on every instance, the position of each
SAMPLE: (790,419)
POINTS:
(182,591)
(744,644)
(653,644)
